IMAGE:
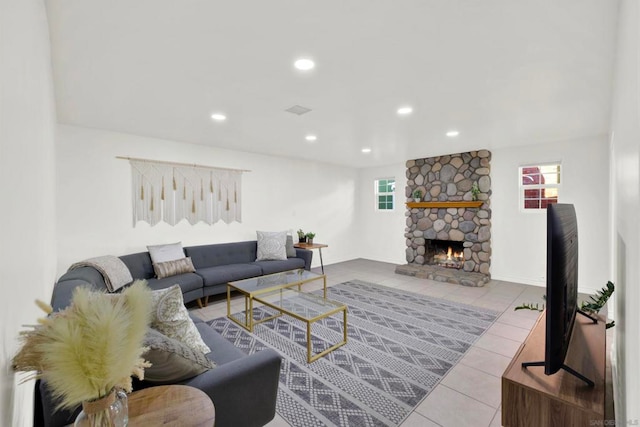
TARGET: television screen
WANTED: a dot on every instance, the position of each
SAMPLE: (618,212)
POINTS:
(562,283)
(562,289)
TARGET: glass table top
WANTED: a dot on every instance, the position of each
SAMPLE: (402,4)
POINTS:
(274,281)
(301,304)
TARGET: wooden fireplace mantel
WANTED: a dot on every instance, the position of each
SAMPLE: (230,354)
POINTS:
(462,204)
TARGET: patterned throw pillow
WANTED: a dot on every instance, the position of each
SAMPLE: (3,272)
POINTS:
(271,245)
(163,253)
(170,316)
(173,268)
(171,360)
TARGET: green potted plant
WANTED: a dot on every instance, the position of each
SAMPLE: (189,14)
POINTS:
(310,237)
(475,190)
(302,238)
(417,195)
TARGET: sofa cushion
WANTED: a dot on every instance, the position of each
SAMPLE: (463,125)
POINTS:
(187,282)
(164,253)
(270,267)
(173,268)
(222,254)
(170,317)
(171,360)
(139,264)
(272,245)
(228,273)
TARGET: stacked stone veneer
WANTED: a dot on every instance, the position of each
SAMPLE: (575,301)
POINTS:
(450,178)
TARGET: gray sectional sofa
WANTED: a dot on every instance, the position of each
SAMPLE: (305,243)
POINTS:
(215,264)
(238,378)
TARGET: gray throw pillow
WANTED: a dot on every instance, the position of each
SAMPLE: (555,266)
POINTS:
(171,360)
(271,245)
(291,251)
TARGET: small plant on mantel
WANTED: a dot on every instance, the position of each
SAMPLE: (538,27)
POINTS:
(417,195)
(594,305)
(475,190)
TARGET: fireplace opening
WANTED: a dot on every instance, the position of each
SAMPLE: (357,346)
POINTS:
(444,253)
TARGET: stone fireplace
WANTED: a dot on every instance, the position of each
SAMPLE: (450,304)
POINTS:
(449,212)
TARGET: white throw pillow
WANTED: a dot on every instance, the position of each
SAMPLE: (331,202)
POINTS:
(272,245)
(164,253)
(170,317)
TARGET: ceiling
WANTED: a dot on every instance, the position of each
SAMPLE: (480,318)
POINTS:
(501,72)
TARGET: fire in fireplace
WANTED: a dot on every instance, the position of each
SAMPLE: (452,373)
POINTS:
(444,253)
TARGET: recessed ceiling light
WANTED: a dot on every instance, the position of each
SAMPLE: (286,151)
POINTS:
(304,64)
(366,150)
(310,137)
(403,111)
(453,133)
(218,117)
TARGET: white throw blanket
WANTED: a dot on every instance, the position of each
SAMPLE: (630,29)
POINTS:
(115,272)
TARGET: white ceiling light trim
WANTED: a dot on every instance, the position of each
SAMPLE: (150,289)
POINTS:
(366,150)
(311,138)
(304,64)
(452,133)
(218,117)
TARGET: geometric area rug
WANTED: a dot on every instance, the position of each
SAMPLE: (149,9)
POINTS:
(400,345)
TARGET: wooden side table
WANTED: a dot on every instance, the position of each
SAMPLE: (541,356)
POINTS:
(317,246)
(171,405)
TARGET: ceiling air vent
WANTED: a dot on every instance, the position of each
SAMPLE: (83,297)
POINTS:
(298,109)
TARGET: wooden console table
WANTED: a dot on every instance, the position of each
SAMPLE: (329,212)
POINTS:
(171,405)
(317,246)
(531,398)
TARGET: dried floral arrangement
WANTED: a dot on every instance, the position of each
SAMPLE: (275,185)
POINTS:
(91,348)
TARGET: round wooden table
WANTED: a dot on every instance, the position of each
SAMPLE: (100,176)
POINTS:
(171,405)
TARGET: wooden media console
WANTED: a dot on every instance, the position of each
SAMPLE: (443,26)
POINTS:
(531,398)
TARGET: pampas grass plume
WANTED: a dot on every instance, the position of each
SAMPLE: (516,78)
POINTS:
(92,346)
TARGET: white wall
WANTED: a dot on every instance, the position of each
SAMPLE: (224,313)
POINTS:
(94,197)
(381,233)
(625,189)
(519,238)
(27,217)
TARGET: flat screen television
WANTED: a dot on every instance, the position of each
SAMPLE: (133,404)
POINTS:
(562,288)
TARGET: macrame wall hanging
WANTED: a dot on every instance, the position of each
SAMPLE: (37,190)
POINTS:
(171,192)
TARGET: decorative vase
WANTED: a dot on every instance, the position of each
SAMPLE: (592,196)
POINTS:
(416,199)
(309,241)
(302,239)
(108,411)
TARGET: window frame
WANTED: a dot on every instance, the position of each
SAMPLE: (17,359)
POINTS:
(522,188)
(377,194)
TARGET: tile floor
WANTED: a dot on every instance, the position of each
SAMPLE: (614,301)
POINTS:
(469,395)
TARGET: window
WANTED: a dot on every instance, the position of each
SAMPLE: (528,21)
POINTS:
(539,186)
(385,194)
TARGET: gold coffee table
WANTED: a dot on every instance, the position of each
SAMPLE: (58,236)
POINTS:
(283,292)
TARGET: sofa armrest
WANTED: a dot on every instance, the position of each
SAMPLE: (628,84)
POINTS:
(243,391)
(306,255)
(83,276)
